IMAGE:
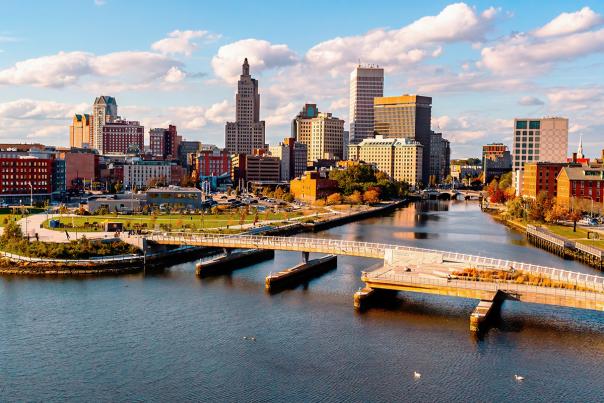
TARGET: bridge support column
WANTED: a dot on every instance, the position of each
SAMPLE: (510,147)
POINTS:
(226,251)
(362,296)
(305,256)
(487,308)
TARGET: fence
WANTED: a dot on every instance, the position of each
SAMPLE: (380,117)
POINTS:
(371,250)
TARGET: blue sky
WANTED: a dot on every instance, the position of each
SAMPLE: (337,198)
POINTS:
(483,63)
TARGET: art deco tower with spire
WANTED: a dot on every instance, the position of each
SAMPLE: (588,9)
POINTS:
(247,132)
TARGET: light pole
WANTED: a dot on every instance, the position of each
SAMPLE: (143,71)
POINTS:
(31,194)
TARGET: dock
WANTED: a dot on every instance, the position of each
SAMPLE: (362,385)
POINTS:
(232,261)
(300,273)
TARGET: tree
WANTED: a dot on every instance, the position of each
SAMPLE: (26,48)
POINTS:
(555,213)
(539,206)
(515,208)
(575,216)
(12,231)
(505,181)
(371,196)
(279,193)
(288,197)
(355,198)
(119,187)
(334,198)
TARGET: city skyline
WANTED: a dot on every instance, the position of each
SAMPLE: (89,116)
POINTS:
(483,67)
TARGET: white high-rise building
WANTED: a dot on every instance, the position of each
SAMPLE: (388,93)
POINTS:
(247,131)
(104,111)
(366,83)
(544,139)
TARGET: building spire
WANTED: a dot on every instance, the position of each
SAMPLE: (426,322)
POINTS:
(246,68)
(580,149)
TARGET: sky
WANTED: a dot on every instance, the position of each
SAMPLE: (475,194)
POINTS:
(177,62)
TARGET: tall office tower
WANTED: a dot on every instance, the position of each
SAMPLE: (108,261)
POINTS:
(80,131)
(440,158)
(246,133)
(544,139)
(104,111)
(322,133)
(366,83)
(406,116)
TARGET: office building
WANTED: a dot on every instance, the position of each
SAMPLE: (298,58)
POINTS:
(400,159)
(143,174)
(82,167)
(259,169)
(123,137)
(80,131)
(541,177)
(246,133)
(440,158)
(406,116)
(164,143)
(212,162)
(496,161)
(366,83)
(293,156)
(24,179)
(186,149)
(322,133)
(544,139)
(104,110)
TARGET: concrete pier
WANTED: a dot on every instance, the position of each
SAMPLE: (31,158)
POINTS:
(485,310)
(362,296)
(298,274)
(232,261)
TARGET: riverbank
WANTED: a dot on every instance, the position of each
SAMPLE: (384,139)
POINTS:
(552,239)
(155,261)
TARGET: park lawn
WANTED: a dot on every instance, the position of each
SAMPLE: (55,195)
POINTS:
(580,235)
(8,216)
(177,221)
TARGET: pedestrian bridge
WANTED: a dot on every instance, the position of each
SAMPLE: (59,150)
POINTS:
(370,250)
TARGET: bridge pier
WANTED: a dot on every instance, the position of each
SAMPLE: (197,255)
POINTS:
(486,309)
(305,256)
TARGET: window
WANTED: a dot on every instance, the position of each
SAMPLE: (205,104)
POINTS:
(521,124)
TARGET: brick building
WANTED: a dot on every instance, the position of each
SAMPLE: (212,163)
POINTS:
(313,186)
(24,177)
(123,137)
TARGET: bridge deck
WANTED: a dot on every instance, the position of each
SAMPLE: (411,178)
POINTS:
(370,250)
(399,280)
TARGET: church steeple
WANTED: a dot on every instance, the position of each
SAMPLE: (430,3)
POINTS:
(246,68)
(580,149)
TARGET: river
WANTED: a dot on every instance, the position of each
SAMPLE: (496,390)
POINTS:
(172,336)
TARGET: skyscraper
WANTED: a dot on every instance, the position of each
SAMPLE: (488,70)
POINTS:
(104,111)
(322,133)
(80,131)
(247,131)
(406,116)
(366,83)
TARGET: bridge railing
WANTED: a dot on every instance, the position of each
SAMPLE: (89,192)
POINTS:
(486,286)
(373,250)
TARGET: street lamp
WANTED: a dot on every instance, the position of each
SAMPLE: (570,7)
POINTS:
(31,194)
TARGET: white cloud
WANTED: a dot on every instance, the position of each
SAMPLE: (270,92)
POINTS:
(261,54)
(100,2)
(565,38)
(568,23)
(66,68)
(407,45)
(174,75)
(181,42)
(530,101)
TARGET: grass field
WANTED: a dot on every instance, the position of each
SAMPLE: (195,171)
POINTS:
(5,217)
(175,221)
(580,235)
